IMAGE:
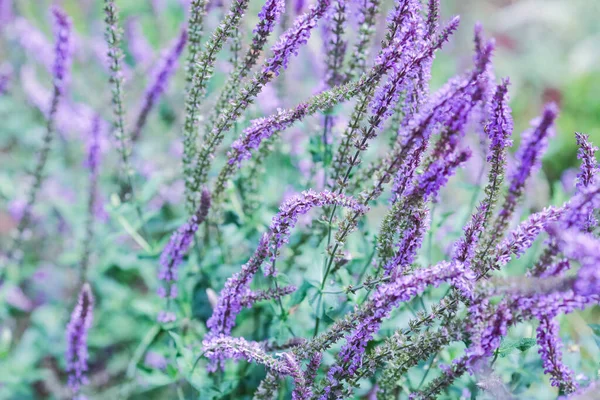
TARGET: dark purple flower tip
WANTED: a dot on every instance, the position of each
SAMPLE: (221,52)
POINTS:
(77,332)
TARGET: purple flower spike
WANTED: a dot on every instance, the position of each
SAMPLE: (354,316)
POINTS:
(299,205)
(178,246)
(550,350)
(77,332)
(159,82)
(385,299)
(589,166)
(533,145)
(62,49)
(295,37)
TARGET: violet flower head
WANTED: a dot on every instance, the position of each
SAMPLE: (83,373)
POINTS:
(589,166)
(232,297)
(299,6)
(291,41)
(500,126)
(77,333)
(5,77)
(533,145)
(173,253)
(431,181)
(386,297)
(488,326)
(294,207)
(267,17)
(62,49)
(550,350)
(522,237)
(464,249)
(159,82)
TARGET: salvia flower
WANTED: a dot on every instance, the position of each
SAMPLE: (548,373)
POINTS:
(296,206)
(550,350)
(533,145)
(589,166)
(386,297)
(158,84)
(62,49)
(77,333)
(173,253)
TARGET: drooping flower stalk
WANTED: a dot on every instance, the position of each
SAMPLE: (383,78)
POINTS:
(93,164)
(198,78)
(386,297)
(159,82)
(61,70)
(76,356)
(221,348)
(173,253)
(282,51)
(237,287)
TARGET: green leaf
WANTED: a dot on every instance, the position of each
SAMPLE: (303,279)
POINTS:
(509,346)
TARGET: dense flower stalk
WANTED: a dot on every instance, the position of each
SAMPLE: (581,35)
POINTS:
(159,82)
(173,253)
(76,356)
(589,166)
(113,36)
(61,70)
(198,79)
(288,44)
(550,350)
(533,144)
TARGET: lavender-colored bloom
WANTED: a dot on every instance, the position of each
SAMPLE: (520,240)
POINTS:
(533,145)
(159,82)
(178,246)
(487,327)
(155,360)
(291,41)
(33,42)
(77,333)
(267,19)
(431,181)
(386,297)
(62,49)
(583,247)
(412,239)
(550,350)
(589,166)
(231,299)
(522,237)
(464,249)
(500,126)
(299,6)
(225,347)
(294,207)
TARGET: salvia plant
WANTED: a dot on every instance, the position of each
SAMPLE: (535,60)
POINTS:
(278,205)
